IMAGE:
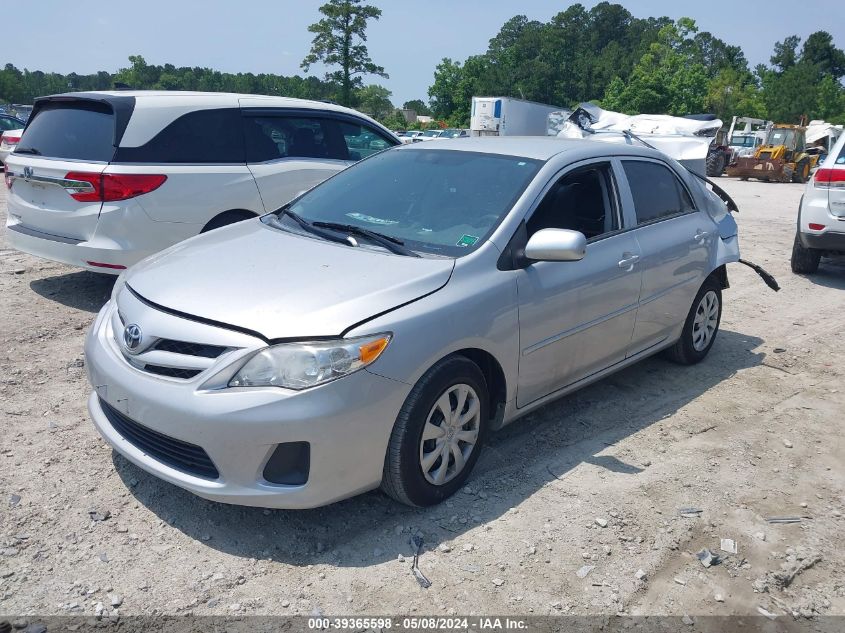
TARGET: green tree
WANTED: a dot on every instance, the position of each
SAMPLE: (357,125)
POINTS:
(831,100)
(375,101)
(791,94)
(394,121)
(732,93)
(806,85)
(667,79)
(417,105)
(819,50)
(339,41)
(786,53)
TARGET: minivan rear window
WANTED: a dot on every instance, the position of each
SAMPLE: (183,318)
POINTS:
(195,138)
(78,130)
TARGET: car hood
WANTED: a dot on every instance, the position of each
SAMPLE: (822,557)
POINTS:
(281,285)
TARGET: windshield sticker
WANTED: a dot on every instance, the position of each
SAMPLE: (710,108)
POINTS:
(467,240)
(370,219)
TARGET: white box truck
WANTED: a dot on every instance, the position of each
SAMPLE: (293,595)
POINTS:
(506,116)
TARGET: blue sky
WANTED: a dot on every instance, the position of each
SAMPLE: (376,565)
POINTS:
(410,39)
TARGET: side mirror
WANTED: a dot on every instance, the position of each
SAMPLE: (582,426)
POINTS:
(556,245)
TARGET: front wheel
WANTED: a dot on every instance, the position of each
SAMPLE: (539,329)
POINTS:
(438,433)
(701,325)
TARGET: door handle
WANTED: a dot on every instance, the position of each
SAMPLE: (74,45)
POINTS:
(628,260)
(700,235)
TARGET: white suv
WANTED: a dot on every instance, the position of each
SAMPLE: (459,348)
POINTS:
(101,180)
(821,215)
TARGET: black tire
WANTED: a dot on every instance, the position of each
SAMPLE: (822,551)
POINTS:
(403,477)
(715,164)
(226,218)
(684,350)
(802,171)
(805,261)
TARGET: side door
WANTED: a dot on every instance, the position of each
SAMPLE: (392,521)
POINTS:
(675,239)
(202,154)
(576,318)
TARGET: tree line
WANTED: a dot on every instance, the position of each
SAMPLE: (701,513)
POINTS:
(652,65)
(604,55)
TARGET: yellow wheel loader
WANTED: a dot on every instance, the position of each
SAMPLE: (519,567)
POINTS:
(782,157)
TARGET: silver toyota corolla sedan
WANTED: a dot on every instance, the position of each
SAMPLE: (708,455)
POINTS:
(376,329)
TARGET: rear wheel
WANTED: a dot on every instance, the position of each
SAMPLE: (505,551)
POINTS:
(438,433)
(701,326)
(805,261)
(715,163)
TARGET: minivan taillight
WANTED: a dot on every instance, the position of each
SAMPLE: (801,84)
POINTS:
(88,187)
(830,178)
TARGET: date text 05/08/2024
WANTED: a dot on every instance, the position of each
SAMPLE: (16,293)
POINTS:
(420,623)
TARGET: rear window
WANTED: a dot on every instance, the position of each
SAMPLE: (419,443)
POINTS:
(203,136)
(79,131)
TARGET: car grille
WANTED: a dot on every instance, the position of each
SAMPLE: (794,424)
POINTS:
(172,372)
(189,349)
(177,454)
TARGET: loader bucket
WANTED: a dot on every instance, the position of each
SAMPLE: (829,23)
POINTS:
(769,169)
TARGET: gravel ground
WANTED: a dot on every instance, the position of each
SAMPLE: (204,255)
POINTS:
(591,484)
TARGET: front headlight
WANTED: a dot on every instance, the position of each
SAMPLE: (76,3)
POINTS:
(308,364)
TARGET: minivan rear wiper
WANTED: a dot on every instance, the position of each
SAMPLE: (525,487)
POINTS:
(393,244)
(273,220)
(27,150)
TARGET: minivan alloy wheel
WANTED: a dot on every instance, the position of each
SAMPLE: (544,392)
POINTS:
(450,434)
(706,320)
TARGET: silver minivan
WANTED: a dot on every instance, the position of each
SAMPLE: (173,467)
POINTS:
(373,331)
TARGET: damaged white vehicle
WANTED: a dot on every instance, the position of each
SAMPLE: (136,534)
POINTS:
(686,139)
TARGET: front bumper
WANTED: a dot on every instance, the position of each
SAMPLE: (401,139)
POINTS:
(347,424)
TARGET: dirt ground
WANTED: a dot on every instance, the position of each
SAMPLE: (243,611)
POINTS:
(591,484)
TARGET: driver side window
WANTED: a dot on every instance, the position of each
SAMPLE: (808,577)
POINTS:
(583,200)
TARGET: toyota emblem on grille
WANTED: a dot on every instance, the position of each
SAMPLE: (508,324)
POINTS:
(132,337)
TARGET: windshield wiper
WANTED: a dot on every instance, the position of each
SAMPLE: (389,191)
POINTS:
(274,221)
(394,245)
(27,150)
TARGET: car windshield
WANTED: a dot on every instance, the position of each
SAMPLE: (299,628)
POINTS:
(780,137)
(742,141)
(436,201)
(432,133)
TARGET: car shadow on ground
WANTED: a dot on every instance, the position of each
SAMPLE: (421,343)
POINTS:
(831,273)
(82,290)
(516,463)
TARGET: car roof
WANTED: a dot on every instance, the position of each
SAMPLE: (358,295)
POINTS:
(534,147)
(158,98)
